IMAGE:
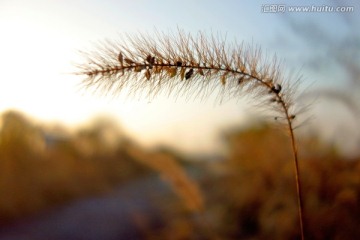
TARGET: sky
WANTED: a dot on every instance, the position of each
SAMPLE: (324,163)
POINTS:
(40,40)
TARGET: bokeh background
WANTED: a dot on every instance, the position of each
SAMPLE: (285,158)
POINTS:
(71,160)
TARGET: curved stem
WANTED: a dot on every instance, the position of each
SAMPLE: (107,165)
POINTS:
(297,178)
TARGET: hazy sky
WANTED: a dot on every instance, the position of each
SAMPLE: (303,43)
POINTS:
(39,42)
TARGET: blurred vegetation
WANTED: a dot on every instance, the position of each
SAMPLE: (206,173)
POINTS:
(248,195)
(44,166)
(259,186)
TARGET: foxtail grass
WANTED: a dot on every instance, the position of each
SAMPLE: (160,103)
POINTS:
(182,64)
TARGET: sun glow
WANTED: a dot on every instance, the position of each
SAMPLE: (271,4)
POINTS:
(39,42)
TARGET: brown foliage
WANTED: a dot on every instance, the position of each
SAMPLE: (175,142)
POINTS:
(251,198)
(40,168)
(260,193)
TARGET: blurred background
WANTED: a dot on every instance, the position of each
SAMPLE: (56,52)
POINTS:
(79,165)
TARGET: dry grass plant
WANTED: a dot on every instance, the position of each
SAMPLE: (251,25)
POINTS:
(172,172)
(181,64)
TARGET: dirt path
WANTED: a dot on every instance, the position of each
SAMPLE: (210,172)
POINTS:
(110,217)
